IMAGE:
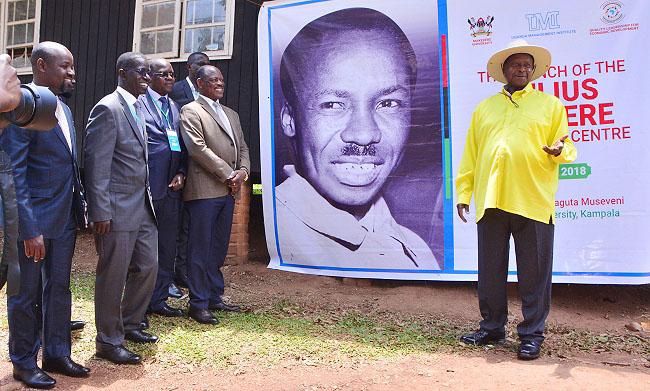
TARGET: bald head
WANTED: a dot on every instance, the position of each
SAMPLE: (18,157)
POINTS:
(163,77)
(53,67)
(210,82)
(159,63)
(47,51)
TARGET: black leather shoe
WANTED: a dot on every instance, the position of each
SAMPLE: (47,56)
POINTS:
(34,378)
(65,366)
(482,337)
(174,291)
(224,307)
(529,350)
(181,281)
(119,355)
(145,323)
(203,316)
(140,336)
(77,324)
(168,311)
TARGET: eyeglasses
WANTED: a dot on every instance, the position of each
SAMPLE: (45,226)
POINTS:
(144,72)
(165,74)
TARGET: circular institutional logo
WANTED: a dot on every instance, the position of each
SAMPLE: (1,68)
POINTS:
(612,12)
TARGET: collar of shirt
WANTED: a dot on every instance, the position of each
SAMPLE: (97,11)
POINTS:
(213,103)
(317,213)
(518,94)
(155,96)
(210,101)
(128,97)
(189,82)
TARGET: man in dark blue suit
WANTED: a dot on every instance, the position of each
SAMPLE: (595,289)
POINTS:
(167,169)
(50,209)
(184,92)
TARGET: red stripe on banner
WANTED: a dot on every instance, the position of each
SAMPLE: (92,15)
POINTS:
(444,60)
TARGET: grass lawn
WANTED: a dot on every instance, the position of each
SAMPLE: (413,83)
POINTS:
(281,331)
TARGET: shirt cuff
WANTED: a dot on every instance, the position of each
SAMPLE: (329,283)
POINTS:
(464,199)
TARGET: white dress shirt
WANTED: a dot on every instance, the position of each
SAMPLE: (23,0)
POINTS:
(194,91)
(216,106)
(156,98)
(311,231)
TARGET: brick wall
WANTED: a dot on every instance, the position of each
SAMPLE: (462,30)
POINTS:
(238,247)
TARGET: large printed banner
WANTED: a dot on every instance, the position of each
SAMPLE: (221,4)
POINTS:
(364,109)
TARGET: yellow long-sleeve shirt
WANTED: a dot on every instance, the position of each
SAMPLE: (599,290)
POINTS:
(504,164)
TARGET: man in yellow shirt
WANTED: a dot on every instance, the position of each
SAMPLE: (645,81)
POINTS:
(513,173)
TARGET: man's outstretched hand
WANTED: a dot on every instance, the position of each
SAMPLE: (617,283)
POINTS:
(557,147)
(462,208)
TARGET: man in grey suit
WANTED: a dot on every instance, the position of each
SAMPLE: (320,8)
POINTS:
(121,210)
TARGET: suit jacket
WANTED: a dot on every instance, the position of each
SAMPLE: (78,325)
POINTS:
(182,93)
(164,163)
(211,150)
(46,178)
(115,163)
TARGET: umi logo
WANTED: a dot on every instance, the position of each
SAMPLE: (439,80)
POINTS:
(537,21)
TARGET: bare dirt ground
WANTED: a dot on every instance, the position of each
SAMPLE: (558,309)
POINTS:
(599,309)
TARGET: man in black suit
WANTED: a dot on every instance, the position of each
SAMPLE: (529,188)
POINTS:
(167,169)
(50,209)
(184,92)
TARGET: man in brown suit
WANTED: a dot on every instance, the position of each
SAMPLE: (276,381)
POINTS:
(218,166)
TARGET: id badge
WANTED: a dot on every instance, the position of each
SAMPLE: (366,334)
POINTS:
(174,144)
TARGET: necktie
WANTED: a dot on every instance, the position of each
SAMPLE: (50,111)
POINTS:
(164,107)
(222,116)
(138,115)
(63,123)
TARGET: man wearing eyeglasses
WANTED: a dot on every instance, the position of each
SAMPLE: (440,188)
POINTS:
(184,92)
(217,167)
(167,170)
(121,211)
(515,143)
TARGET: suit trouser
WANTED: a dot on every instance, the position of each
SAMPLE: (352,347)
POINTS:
(24,330)
(209,234)
(534,251)
(180,263)
(167,210)
(126,275)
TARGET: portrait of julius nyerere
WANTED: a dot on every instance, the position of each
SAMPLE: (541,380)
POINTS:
(348,80)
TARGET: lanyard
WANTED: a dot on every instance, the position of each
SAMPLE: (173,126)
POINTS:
(166,115)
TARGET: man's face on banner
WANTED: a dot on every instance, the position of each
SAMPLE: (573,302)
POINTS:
(352,116)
